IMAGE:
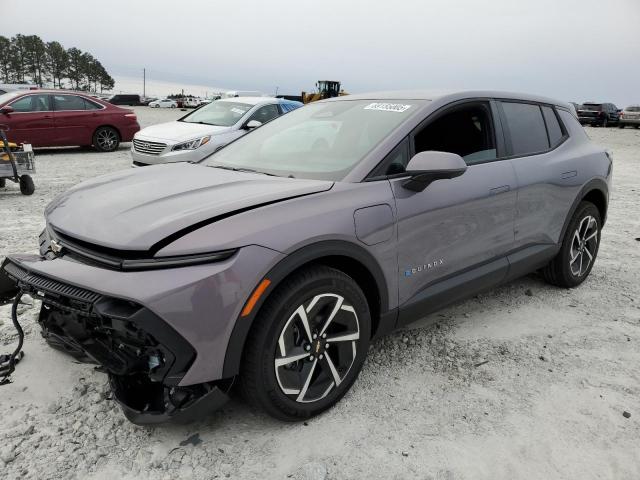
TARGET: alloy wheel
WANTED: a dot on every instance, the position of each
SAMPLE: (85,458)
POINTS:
(583,246)
(106,139)
(316,348)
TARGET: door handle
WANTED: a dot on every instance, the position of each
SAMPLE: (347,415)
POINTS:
(571,174)
(498,190)
(47,116)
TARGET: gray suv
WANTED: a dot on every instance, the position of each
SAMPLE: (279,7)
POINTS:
(274,262)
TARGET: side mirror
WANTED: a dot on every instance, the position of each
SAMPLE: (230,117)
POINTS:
(427,167)
(251,124)
(6,110)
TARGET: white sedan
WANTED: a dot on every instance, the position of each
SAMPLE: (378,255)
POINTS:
(163,103)
(203,131)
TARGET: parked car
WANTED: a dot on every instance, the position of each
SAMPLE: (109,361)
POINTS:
(598,114)
(191,102)
(279,266)
(163,103)
(125,99)
(630,116)
(205,130)
(48,118)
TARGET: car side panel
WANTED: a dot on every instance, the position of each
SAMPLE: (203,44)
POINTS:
(36,128)
(454,225)
(549,184)
(302,222)
(74,127)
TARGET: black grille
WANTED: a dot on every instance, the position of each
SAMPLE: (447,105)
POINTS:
(59,288)
(15,271)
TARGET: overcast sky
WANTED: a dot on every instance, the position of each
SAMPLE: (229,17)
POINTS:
(574,50)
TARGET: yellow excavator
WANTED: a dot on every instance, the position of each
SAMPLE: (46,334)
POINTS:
(326,89)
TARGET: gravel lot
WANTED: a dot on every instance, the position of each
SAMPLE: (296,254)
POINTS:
(527,381)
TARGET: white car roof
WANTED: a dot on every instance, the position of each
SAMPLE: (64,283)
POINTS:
(250,100)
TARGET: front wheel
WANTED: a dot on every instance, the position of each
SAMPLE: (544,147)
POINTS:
(3,182)
(573,263)
(106,139)
(308,344)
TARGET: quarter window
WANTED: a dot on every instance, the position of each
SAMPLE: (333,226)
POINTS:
(526,128)
(553,126)
(32,103)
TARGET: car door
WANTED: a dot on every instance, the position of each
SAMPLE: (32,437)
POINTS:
(31,120)
(549,174)
(454,235)
(75,119)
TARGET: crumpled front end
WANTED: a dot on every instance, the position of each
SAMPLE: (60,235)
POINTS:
(144,357)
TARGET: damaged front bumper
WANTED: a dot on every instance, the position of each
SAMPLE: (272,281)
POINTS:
(146,358)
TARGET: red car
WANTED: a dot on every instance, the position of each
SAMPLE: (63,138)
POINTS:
(54,118)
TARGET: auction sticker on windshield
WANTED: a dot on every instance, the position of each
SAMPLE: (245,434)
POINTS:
(388,107)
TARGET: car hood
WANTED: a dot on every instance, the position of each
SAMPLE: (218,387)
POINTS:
(179,131)
(135,209)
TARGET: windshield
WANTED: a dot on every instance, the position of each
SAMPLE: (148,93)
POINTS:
(592,106)
(632,109)
(319,141)
(5,97)
(223,114)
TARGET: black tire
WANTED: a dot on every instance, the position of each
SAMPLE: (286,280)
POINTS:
(621,125)
(106,139)
(605,122)
(26,185)
(561,271)
(262,386)
(3,182)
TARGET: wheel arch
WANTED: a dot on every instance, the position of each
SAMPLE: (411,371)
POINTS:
(347,257)
(106,125)
(595,191)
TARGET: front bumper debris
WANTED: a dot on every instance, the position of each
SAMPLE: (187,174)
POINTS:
(144,356)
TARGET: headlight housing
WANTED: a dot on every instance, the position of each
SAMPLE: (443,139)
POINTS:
(192,144)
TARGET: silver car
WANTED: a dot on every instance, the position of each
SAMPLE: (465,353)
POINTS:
(205,130)
(273,263)
(630,116)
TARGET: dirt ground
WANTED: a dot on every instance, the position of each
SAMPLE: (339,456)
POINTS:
(524,382)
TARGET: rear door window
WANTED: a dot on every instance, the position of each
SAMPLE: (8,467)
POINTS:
(526,128)
(63,103)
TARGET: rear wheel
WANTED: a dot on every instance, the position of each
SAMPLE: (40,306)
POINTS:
(308,344)
(3,182)
(621,125)
(106,139)
(27,186)
(579,249)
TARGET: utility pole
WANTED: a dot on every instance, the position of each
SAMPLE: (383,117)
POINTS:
(144,83)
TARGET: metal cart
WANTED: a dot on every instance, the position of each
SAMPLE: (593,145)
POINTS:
(17,163)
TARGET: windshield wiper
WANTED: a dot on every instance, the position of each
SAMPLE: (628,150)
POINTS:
(248,170)
(201,123)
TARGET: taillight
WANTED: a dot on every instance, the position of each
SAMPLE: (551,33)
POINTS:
(130,115)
